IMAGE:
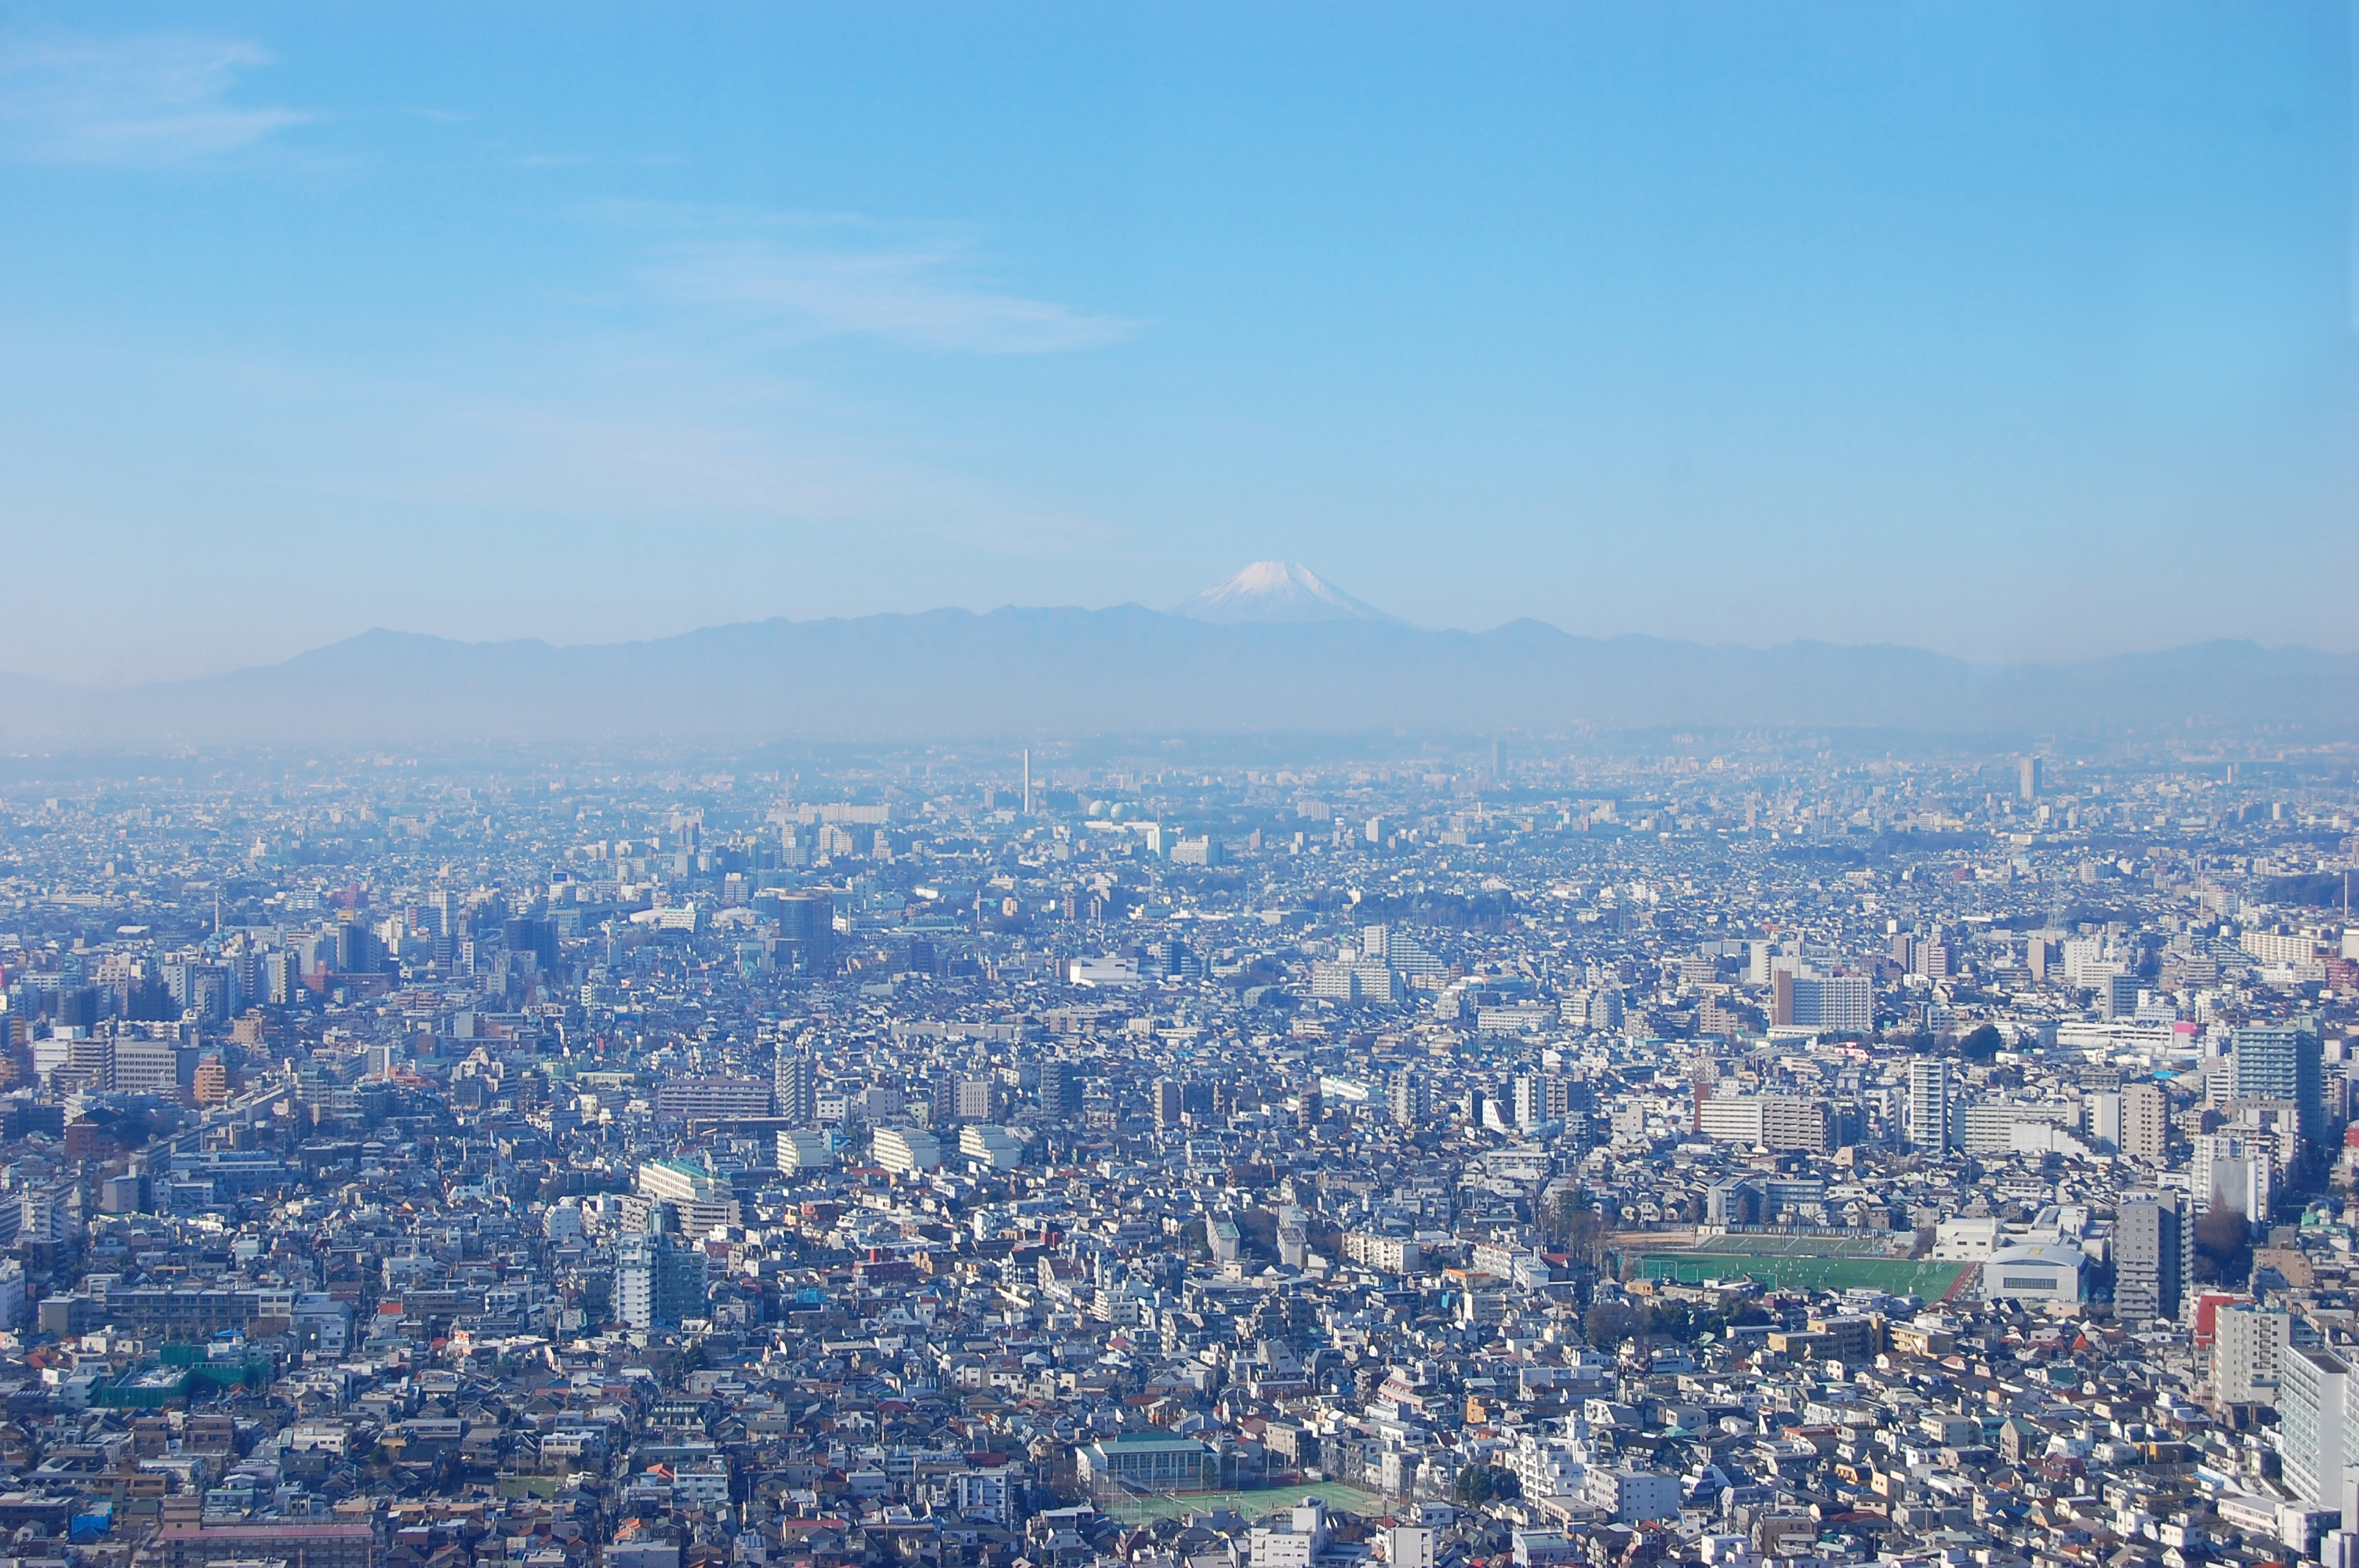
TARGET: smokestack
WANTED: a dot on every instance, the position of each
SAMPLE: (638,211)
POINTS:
(1028,781)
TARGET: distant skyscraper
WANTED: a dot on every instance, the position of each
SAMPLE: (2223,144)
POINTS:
(2284,1062)
(807,933)
(2151,1239)
(798,1088)
(2027,778)
(2121,996)
(1536,1097)
(1841,1004)
(2144,1122)
(1928,1108)
(1409,1098)
(1060,1088)
(2311,1384)
(657,1283)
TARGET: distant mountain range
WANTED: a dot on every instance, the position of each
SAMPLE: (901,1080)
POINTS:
(1273,649)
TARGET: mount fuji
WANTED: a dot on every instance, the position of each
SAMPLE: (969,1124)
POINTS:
(1277,593)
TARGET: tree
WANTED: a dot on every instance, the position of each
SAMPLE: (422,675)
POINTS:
(1480,1483)
(1981,1044)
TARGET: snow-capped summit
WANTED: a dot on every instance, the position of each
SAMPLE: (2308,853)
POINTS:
(1276,594)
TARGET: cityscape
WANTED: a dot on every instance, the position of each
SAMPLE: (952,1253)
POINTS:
(1116,786)
(1735,1147)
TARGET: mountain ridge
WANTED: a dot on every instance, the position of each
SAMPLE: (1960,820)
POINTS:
(1128,670)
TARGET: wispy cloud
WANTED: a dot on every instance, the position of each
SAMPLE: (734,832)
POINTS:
(844,276)
(158,98)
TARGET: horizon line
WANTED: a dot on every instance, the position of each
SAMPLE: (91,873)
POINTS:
(1389,625)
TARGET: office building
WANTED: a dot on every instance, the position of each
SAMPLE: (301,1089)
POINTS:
(806,935)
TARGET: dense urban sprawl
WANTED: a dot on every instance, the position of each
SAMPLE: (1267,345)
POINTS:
(1775,1155)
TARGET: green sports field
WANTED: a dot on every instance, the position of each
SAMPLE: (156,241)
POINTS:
(1898,1277)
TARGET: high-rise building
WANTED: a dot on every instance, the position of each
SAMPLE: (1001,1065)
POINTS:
(1927,1111)
(658,1284)
(2120,996)
(807,934)
(1167,1103)
(2311,1386)
(1062,1088)
(2144,1122)
(278,975)
(1840,1004)
(2248,1346)
(2100,1118)
(1409,1098)
(1523,1096)
(2149,1256)
(157,1067)
(2284,1062)
(976,1097)
(1398,950)
(2027,778)
(797,1088)
(2230,1172)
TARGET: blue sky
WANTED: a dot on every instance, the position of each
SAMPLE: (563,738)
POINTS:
(2011,331)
